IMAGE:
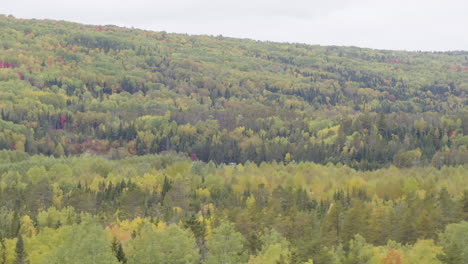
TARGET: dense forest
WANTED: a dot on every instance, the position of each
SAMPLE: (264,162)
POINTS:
(119,145)
(69,89)
(169,209)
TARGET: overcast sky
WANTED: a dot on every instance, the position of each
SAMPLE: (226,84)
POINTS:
(386,24)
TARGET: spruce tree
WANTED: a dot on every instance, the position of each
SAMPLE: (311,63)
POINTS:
(464,206)
(20,253)
(121,254)
(330,227)
(15,225)
(118,251)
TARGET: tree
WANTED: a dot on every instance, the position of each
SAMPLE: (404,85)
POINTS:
(454,241)
(85,243)
(59,151)
(20,252)
(408,159)
(378,223)
(287,158)
(226,246)
(198,228)
(424,252)
(355,221)
(464,206)
(330,227)
(275,249)
(359,251)
(170,246)
(118,251)
(392,257)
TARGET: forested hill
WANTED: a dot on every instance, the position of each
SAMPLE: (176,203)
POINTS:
(67,89)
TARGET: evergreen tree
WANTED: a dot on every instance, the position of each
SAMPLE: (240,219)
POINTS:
(355,222)
(330,227)
(118,251)
(15,225)
(464,206)
(199,230)
(20,253)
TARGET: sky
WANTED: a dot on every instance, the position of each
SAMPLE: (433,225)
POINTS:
(426,25)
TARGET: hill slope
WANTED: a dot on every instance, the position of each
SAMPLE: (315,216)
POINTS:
(67,88)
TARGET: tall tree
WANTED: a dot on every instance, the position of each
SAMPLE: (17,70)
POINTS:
(226,245)
(85,243)
(20,252)
(455,243)
(170,246)
(331,225)
(118,251)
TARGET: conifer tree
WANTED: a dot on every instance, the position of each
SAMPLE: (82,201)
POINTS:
(121,254)
(464,206)
(118,251)
(15,225)
(20,252)
(330,228)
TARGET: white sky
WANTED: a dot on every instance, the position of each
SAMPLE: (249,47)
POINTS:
(385,24)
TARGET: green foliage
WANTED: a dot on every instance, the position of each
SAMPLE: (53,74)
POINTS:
(408,159)
(226,245)
(68,89)
(235,214)
(455,243)
(297,152)
(20,253)
(84,243)
(170,246)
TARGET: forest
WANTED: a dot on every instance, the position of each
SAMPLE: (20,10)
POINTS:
(167,208)
(121,145)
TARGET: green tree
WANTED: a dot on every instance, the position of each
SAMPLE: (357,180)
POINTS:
(226,245)
(408,159)
(331,225)
(59,151)
(455,243)
(20,252)
(359,251)
(275,249)
(464,206)
(85,243)
(118,251)
(424,252)
(355,221)
(171,246)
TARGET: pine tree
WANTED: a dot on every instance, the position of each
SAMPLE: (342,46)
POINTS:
(20,253)
(464,206)
(15,225)
(355,222)
(121,254)
(199,230)
(59,151)
(330,227)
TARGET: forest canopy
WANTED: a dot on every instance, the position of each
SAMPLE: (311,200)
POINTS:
(138,209)
(122,145)
(68,89)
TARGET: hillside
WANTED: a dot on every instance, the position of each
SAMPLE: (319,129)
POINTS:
(124,146)
(68,89)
